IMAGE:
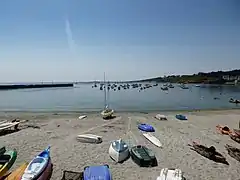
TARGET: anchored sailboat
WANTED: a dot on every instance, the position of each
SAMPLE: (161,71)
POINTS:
(107,112)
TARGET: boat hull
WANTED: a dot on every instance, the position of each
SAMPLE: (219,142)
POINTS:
(89,139)
(152,139)
(47,172)
(118,156)
(17,174)
(170,174)
(5,167)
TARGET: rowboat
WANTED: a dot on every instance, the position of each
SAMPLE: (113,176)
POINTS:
(8,125)
(6,161)
(40,168)
(89,138)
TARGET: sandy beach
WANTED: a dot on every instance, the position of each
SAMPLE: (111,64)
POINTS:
(60,130)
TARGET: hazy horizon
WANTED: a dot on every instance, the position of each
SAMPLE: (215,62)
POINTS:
(70,40)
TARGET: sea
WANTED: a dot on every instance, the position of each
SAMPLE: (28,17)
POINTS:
(85,97)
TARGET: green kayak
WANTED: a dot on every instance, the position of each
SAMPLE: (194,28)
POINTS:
(6,161)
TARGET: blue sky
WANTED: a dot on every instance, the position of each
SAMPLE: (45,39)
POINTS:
(65,40)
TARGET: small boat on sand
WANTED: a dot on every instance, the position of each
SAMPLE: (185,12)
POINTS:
(118,150)
(97,172)
(161,117)
(233,152)
(40,167)
(9,125)
(89,138)
(146,127)
(235,137)
(170,174)
(143,156)
(82,117)
(17,174)
(237,131)
(181,117)
(208,152)
(6,161)
(152,139)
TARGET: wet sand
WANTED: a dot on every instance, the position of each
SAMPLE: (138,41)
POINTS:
(60,129)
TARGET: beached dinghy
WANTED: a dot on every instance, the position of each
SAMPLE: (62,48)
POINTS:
(40,167)
(161,117)
(118,150)
(233,152)
(152,139)
(170,174)
(17,174)
(6,161)
(82,117)
(97,172)
(146,127)
(143,156)
(181,117)
(8,125)
(89,138)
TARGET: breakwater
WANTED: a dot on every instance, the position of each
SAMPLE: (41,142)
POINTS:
(29,86)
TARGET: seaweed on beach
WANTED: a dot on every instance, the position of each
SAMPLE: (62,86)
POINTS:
(208,152)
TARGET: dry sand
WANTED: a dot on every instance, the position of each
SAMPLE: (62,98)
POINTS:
(60,130)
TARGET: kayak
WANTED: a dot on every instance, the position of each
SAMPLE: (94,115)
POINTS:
(6,161)
(16,174)
(40,167)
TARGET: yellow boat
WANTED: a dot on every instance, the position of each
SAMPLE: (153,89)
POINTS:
(17,174)
(6,161)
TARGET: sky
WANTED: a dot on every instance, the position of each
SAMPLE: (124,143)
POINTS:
(79,40)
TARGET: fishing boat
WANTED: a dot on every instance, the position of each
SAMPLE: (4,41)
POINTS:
(97,172)
(146,127)
(40,167)
(107,112)
(170,174)
(6,161)
(143,156)
(89,138)
(152,139)
(181,117)
(118,150)
(17,174)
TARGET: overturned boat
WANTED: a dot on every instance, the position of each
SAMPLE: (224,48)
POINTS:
(89,138)
(119,150)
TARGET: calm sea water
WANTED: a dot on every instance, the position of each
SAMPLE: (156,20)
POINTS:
(85,98)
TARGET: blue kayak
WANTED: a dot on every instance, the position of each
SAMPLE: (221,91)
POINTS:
(181,117)
(146,127)
(97,173)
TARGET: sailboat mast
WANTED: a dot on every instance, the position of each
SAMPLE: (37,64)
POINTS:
(105,94)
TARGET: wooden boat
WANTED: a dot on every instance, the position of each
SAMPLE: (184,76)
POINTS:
(17,174)
(152,139)
(40,167)
(237,131)
(235,137)
(118,150)
(170,174)
(97,172)
(223,129)
(233,152)
(6,161)
(2,122)
(143,156)
(89,138)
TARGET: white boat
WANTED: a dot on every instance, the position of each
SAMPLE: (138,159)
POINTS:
(161,117)
(8,125)
(152,139)
(170,174)
(89,138)
(119,150)
(82,117)
(2,122)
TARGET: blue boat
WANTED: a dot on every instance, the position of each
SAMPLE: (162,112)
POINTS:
(146,128)
(181,117)
(97,173)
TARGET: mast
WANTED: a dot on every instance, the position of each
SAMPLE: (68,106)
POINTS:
(105,94)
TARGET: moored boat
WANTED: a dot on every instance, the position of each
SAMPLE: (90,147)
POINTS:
(89,138)
(118,150)
(143,156)
(170,174)
(40,167)
(6,161)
